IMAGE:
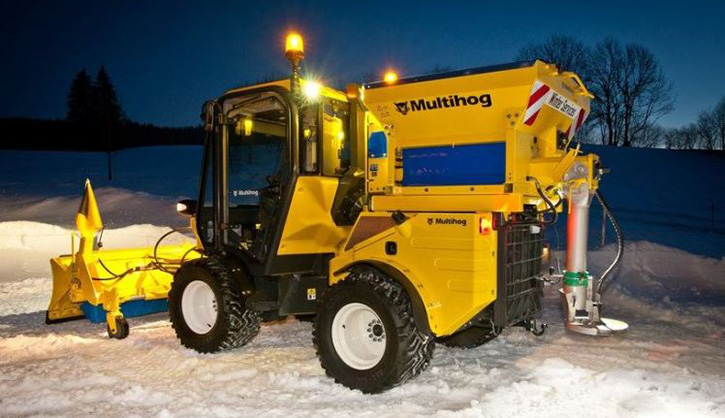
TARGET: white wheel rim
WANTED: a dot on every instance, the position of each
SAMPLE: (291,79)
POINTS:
(358,336)
(199,307)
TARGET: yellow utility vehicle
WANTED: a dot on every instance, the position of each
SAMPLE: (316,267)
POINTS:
(398,213)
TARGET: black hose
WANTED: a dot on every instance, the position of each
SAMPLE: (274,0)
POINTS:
(552,207)
(156,248)
(115,276)
(183,257)
(620,242)
(149,266)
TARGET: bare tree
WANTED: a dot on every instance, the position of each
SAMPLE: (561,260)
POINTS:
(568,53)
(632,91)
(604,75)
(706,130)
(718,120)
(646,93)
(671,138)
(686,137)
(652,137)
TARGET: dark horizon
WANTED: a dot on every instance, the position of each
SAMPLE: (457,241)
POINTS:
(166,59)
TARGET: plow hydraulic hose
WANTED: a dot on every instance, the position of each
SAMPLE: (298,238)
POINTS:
(620,243)
(552,207)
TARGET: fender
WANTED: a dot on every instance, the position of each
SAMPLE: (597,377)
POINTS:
(420,314)
(238,269)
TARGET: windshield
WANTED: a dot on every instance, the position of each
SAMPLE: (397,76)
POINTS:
(257,131)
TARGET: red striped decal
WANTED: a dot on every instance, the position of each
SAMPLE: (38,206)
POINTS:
(530,121)
(538,94)
(581,119)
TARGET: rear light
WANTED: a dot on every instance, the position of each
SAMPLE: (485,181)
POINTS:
(485,225)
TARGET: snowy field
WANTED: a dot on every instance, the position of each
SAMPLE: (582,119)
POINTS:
(670,289)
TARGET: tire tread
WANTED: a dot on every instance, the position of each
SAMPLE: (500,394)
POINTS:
(241,324)
(418,346)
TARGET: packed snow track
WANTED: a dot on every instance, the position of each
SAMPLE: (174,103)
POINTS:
(670,363)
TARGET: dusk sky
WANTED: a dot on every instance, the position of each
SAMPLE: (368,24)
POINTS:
(167,57)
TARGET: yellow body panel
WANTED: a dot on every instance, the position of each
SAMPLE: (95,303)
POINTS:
(443,255)
(309,228)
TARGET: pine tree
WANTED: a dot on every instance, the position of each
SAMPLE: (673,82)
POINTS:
(109,112)
(81,109)
(107,100)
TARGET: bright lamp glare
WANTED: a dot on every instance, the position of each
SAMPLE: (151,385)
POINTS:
(390,77)
(294,43)
(311,90)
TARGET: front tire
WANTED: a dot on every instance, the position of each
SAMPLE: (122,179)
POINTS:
(365,334)
(207,310)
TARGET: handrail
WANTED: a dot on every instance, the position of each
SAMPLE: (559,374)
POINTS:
(582,88)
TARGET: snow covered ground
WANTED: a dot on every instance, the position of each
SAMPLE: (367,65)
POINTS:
(670,289)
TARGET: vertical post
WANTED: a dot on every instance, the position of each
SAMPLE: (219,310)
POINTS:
(110,150)
(295,78)
(712,215)
(576,277)
(604,228)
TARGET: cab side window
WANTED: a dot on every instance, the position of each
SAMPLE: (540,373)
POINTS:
(309,134)
(335,138)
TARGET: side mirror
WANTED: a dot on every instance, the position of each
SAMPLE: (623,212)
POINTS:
(186,207)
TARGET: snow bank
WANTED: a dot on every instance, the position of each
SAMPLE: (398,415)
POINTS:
(27,247)
(119,207)
(658,273)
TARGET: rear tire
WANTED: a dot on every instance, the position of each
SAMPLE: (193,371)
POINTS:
(207,310)
(365,334)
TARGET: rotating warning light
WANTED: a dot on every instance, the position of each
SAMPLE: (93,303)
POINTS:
(294,46)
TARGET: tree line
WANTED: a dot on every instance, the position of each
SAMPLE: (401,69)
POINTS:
(707,132)
(95,121)
(632,95)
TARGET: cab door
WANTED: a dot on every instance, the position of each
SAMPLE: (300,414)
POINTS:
(250,167)
(310,231)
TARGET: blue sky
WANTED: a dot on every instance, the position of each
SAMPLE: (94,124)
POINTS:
(166,57)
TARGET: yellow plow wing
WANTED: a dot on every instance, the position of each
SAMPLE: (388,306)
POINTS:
(96,283)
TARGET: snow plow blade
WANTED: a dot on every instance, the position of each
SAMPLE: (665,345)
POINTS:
(110,285)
